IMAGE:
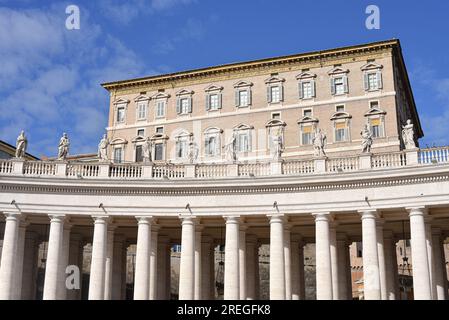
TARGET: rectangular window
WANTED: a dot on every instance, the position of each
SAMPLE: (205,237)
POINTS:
(141,111)
(243,98)
(243,142)
(276,116)
(159,129)
(181,149)
(307,135)
(339,85)
(139,154)
(141,132)
(184,105)
(118,155)
(340,108)
(376,128)
(307,90)
(120,114)
(374,104)
(340,132)
(158,151)
(275,94)
(160,109)
(211,145)
(214,102)
(307,112)
(372,81)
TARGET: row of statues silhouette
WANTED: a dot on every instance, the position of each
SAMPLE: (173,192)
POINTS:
(318,142)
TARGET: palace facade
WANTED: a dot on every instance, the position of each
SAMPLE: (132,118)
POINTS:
(212,180)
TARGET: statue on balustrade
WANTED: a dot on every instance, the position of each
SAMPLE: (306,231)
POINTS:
(21,145)
(231,148)
(63,148)
(319,140)
(408,134)
(147,149)
(193,152)
(103,149)
(367,139)
(278,144)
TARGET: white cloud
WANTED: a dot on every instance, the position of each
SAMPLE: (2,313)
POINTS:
(51,78)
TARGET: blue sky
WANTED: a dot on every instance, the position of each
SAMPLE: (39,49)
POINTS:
(50,76)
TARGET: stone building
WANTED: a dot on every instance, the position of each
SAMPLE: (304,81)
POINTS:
(295,177)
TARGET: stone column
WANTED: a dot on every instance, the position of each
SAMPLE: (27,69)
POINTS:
(440,265)
(277,259)
(242,263)
(342,266)
(348,270)
(287,262)
(323,257)
(232,269)
(9,247)
(187,264)
(389,247)
(205,267)
(212,270)
(30,266)
(381,259)
(64,262)
(98,261)
(54,255)
(256,273)
(295,266)
(334,260)
(152,294)
(371,277)
(198,266)
(76,259)
(20,249)
(168,273)
(421,273)
(124,260)
(109,263)
(162,267)
(143,251)
(430,257)
(251,242)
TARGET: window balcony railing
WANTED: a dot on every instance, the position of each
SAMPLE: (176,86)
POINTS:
(287,167)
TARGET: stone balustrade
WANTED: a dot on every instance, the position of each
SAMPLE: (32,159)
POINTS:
(102,170)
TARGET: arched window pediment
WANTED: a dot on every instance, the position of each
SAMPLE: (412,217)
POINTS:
(213,130)
(159,136)
(374,111)
(120,101)
(118,141)
(341,115)
(275,123)
(307,119)
(242,126)
(184,92)
(138,139)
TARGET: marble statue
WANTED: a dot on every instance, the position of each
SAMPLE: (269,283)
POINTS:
(21,145)
(147,149)
(231,148)
(367,139)
(278,144)
(63,148)
(193,152)
(103,148)
(408,135)
(319,140)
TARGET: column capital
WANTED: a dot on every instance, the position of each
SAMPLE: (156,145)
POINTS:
(101,218)
(57,217)
(144,219)
(417,211)
(322,216)
(232,219)
(10,215)
(369,214)
(276,218)
(188,218)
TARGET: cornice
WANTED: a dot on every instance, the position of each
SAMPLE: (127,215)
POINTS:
(309,59)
